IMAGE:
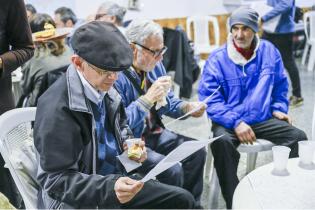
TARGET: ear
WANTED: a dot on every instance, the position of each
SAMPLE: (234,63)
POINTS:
(113,19)
(77,62)
(69,24)
(134,49)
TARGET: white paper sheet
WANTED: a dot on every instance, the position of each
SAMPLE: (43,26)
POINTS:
(178,154)
(128,163)
(195,109)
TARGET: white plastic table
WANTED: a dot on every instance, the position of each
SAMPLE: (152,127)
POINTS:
(260,189)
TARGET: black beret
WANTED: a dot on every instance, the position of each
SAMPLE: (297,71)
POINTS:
(102,45)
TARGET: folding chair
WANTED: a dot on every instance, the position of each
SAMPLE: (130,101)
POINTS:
(18,152)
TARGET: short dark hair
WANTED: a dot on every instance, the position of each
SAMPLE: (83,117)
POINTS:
(30,8)
(66,14)
(39,21)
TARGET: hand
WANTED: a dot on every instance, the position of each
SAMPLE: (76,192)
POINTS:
(193,105)
(144,152)
(1,64)
(282,116)
(157,90)
(245,133)
(126,188)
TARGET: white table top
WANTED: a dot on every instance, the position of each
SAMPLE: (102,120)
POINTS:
(262,190)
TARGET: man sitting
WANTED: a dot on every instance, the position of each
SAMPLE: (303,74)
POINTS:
(251,101)
(146,96)
(80,128)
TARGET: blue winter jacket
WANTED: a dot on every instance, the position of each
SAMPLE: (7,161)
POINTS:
(286,8)
(250,90)
(135,112)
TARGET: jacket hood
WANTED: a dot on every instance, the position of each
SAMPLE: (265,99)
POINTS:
(237,57)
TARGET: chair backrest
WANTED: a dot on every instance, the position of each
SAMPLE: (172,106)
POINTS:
(18,152)
(201,30)
(313,125)
(309,25)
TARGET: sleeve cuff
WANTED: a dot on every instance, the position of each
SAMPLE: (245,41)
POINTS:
(144,104)
(237,122)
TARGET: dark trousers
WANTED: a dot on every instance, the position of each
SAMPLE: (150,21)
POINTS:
(284,43)
(156,195)
(188,175)
(8,187)
(226,156)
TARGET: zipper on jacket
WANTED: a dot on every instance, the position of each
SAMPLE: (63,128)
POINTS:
(243,70)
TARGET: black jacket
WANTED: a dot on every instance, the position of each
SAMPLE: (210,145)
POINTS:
(180,58)
(64,136)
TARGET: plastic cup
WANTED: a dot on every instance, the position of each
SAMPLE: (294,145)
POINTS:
(280,159)
(131,142)
(306,153)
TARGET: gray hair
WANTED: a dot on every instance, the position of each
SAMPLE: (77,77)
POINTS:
(111,8)
(139,30)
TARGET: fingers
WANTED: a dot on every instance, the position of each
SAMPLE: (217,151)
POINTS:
(245,134)
(127,185)
(126,189)
(198,113)
(289,120)
(125,146)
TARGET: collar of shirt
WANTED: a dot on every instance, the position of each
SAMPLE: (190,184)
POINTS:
(91,93)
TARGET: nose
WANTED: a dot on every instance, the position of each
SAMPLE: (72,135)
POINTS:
(240,33)
(159,57)
(113,75)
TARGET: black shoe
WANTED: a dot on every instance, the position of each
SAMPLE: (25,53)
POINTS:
(296,101)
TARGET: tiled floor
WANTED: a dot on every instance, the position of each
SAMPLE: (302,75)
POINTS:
(302,118)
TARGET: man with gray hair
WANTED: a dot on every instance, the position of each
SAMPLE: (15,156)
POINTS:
(145,93)
(252,100)
(81,127)
(111,12)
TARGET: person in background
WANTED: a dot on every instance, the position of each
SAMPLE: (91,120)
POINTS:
(65,17)
(251,102)
(50,53)
(282,38)
(80,128)
(30,11)
(142,90)
(113,13)
(16,47)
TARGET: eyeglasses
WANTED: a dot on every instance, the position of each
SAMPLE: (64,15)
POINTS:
(99,16)
(155,53)
(101,72)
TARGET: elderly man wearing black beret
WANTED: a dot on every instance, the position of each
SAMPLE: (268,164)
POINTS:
(81,126)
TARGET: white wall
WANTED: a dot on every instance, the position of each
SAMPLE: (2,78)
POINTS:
(154,9)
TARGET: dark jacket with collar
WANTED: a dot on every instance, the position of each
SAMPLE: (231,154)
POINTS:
(15,33)
(64,136)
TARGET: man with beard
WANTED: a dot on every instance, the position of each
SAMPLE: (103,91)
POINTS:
(252,100)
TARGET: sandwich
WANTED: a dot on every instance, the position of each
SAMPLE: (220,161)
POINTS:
(135,151)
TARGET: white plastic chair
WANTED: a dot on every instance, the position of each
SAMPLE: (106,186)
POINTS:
(313,125)
(201,33)
(18,152)
(309,28)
